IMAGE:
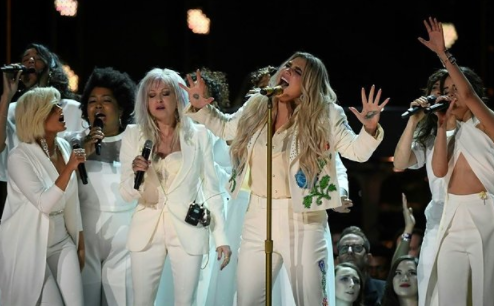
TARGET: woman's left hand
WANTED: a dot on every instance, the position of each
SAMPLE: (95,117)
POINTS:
(371,110)
(224,250)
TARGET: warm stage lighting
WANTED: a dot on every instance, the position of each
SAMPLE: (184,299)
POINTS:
(73,78)
(450,35)
(197,21)
(66,7)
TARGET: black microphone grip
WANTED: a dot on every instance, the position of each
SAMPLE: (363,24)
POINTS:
(98,123)
(15,68)
(81,167)
(146,151)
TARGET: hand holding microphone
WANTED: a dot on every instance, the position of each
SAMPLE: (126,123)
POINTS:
(140,163)
(98,122)
(421,103)
(80,155)
(13,68)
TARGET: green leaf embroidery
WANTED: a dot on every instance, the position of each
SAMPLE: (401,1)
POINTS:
(319,192)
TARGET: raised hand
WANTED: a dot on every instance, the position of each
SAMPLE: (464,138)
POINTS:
(197,91)
(371,110)
(436,36)
(407,215)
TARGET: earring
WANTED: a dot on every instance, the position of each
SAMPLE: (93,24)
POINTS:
(177,116)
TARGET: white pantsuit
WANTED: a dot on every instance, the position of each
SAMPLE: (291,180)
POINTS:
(158,225)
(300,202)
(39,230)
(464,265)
(106,220)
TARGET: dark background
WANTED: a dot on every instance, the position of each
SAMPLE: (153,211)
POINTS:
(361,42)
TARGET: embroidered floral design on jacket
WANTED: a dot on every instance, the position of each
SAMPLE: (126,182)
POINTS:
(322,187)
(233,180)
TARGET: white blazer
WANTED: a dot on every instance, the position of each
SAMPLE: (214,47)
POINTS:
(25,223)
(325,194)
(197,181)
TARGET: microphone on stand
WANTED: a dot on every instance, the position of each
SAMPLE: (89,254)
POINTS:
(98,123)
(76,144)
(415,109)
(270,91)
(16,67)
(146,151)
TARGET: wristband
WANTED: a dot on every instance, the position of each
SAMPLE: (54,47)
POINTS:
(406,236)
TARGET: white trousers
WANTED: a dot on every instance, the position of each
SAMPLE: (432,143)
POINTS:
(465,262)
(106,276)
(147,266)
(63,283)
(298,244)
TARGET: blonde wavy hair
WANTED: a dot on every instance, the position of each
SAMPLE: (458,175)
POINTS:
(32,110)
(310,118)
(143,117)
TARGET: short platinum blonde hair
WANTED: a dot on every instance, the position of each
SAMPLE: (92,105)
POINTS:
(32,110)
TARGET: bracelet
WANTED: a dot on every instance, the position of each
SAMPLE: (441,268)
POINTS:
(406,237)
(450,58)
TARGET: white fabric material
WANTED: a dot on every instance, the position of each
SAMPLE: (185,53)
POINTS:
(478,150)
(32,195)
(357,147)
(198,180)
(433,213)
(73,122)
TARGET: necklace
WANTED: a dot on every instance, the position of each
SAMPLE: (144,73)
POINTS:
(44,146)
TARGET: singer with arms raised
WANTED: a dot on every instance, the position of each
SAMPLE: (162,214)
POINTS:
(462,272)
(309,129)
(41,241)
(179,177)
(108,98)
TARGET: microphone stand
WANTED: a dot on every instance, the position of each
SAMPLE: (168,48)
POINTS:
(268,244)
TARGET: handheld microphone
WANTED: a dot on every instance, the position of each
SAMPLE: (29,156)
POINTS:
(440,106)
(98,123)
(81,167)
(146,151)
(415,109)
(270,91)
(15,68)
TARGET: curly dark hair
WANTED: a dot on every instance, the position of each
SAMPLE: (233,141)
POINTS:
(58,78)
(217,85)
(428,125)
(390,298)
(122,86)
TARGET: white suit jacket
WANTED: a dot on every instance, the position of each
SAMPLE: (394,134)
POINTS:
(197,181)
(325,194)
(25,222)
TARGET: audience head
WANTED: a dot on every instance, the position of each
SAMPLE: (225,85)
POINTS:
(110,94)
(37,113)
(349,284)
(354,247)
(402,284)
(379,263)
